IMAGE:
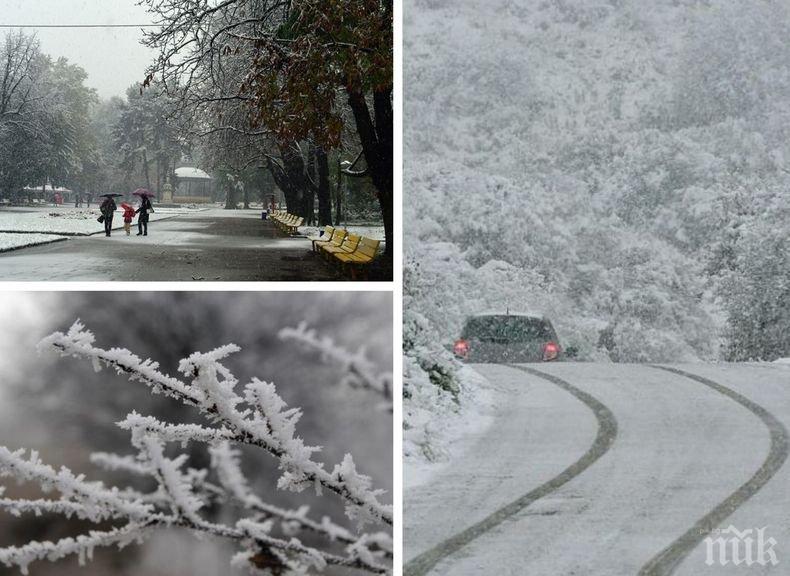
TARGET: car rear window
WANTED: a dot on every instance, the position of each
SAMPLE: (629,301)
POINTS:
(507,329)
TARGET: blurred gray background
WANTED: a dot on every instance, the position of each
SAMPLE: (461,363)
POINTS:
(65,410)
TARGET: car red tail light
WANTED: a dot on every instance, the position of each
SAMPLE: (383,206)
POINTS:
(551,350)
(461,348)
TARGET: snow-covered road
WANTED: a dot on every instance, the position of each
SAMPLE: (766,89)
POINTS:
(609,470)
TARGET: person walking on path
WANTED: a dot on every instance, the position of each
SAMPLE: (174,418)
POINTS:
(128,216)
(107,209)
(142,220)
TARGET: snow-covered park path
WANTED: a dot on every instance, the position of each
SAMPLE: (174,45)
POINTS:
(206,245)
(609,470)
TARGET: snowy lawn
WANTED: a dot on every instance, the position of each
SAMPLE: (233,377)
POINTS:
(68,220)
(14,241)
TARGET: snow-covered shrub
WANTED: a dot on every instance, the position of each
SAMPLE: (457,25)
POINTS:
(268,537)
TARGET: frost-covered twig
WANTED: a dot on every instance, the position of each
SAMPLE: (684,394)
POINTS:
(359,372)
(43,505)
(82,546)
(225,460)
(97,502)
(181,433)
(259,417)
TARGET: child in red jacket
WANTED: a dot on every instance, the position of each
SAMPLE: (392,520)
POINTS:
(128,216)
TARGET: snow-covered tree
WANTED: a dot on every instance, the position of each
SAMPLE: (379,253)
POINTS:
(276,76)
(269,538)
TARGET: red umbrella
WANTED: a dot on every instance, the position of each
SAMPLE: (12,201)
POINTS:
(125,205)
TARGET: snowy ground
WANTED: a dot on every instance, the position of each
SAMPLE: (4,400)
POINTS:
(14,241)
(68,220)
(676,449)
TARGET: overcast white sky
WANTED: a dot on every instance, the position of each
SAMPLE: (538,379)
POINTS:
(112,57)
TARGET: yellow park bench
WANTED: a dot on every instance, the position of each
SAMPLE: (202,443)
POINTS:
(288,223)
(348,245)
(364,253)
(291,225)
(332,236)
(324,234)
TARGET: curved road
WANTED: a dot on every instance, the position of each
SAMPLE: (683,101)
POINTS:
(696,447)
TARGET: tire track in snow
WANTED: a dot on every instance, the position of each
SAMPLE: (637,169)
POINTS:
(607,431)
(667,561)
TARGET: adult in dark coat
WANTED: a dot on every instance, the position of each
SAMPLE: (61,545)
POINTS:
(142,220)
(107,209)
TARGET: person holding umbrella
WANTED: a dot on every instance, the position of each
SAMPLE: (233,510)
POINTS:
(107,209)
(144,210)
(128,216)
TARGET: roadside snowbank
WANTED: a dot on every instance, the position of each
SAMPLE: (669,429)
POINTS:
(14,241)
(443,401)
(435,422)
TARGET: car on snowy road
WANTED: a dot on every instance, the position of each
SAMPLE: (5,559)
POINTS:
(507,338)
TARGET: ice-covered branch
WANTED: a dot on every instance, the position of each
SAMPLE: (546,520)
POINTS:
(256,416)
(180,497)
(259,418)
(359,372)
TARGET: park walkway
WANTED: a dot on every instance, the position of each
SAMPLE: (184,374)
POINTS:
(213,245)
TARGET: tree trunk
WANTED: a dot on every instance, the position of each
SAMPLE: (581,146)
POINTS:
(158,175)
(324,199)
(377,148)
(297,186)
(290,195)
(339,194)
(308,199)
(145,168)
(230,195)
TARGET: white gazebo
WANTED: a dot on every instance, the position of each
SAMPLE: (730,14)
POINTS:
(48,192)
(192,185)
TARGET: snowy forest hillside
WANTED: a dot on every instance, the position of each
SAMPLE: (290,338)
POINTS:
(621,166)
